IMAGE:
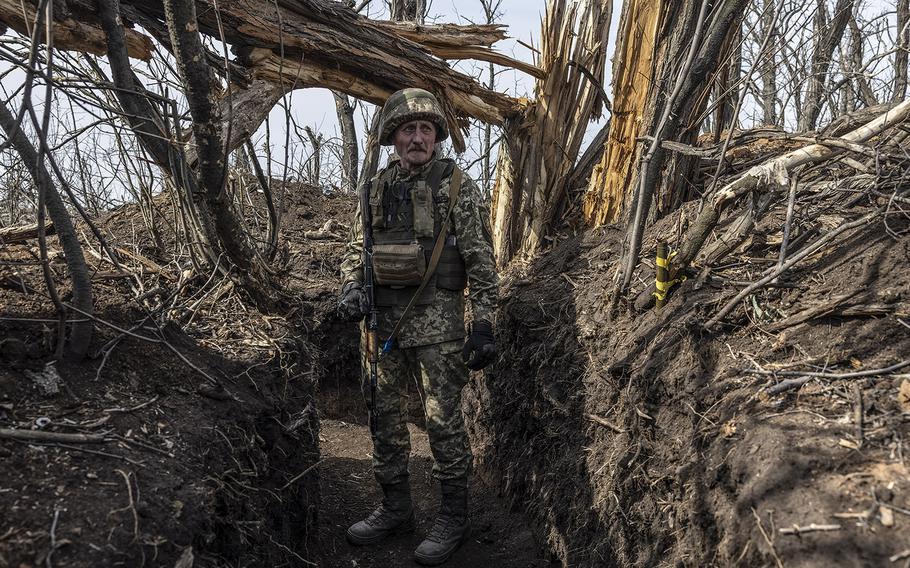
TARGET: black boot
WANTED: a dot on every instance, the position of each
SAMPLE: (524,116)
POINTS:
(394,515)
(449,531)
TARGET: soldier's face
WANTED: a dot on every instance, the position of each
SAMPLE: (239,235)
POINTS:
(414,143)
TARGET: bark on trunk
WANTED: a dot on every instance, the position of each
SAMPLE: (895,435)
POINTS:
(900,55)
(408,10)
(349,150)
(828,35)
(83,329)
(20,233)
(857,66)
(769,65)
(199,87)
(726,90)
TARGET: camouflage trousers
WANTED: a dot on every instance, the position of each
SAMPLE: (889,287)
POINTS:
(442,375)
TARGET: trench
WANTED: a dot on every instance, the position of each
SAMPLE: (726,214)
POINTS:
(501,534)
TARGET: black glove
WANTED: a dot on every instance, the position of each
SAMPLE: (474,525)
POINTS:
(353,304)
(481,344)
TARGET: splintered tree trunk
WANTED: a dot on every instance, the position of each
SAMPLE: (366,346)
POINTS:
(654,98)
(688,46)
(633,67)
(539,150)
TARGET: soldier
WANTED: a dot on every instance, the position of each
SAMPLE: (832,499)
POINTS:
(409,202)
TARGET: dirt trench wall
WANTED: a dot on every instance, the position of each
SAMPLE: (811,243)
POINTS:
(642,443)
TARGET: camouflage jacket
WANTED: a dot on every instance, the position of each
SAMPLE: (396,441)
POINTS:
(442,319)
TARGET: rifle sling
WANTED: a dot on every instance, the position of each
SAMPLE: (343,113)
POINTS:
(454,188)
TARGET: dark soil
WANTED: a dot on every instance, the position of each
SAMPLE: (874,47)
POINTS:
(628,438)
(349,493)
(645,440)
(210,426)
(186,467)
(226,475)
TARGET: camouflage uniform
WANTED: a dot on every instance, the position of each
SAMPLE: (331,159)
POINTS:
(429,341)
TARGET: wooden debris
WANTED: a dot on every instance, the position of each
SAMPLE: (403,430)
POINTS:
(821,309)
(774,174)
(134,408)
(844,443)
(886,516)
(604,422)
(853,375)
(858,413)
(328,231)
(903,396)
(42,436)
(788,384)
(148,264)
(9,235)
(70,33)
(538,154)
(797,530)
(642,413)
(186,559)
(900,555)
(864,516)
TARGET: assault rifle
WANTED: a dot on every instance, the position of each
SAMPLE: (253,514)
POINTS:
(372,319)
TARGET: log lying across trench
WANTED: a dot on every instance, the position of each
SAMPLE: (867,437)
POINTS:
(310,43)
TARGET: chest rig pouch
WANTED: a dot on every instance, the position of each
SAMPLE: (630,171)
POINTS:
(407,217)
(399,265)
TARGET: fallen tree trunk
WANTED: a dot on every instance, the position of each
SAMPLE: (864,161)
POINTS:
(10,235)
(774,172)
(317,43)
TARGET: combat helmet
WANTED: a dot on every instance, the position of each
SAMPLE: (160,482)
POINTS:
(407,105)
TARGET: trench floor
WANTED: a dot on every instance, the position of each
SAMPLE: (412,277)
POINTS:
(500,537)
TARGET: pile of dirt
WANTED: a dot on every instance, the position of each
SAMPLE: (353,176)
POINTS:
(632,437)
(170,441)
(639,438)
(193,434)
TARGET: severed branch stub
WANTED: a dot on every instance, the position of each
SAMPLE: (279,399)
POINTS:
(788,384)
(797,530)
(40,436)
(605,423)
